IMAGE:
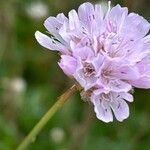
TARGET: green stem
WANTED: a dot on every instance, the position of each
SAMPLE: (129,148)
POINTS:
(39,126)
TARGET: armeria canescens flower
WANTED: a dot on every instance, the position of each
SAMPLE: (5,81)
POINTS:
(108,54)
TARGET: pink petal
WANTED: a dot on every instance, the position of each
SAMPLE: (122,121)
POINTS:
(97,62)
(62,18)
(102,110)
(64,32)
(120,109)
(117,15)
(144,66)
(126,96)
(52,25)
(86,12)
(74,22)
(119,86)
(99,13)
(68,64)
(143,82)
(128,72)
(83,53)
(141,26)
(49,43)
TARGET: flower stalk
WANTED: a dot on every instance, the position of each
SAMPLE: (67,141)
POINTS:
(40,125)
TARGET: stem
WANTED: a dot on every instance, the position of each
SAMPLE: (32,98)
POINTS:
(39,126)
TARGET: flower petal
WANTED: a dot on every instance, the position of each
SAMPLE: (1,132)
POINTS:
(144,66)
(119,86)
(53,25)
(126,96)
(74,22)
(86,12)
(83,53)
(49,43)
(117,15)
(128,73)
(68,64)
(64,32)
(143,82)
(62,18)
(120,109)
(99,13)
(102,110)
(141,26)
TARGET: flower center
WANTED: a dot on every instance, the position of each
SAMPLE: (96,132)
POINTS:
(106,97)
(88,70)
(106,73)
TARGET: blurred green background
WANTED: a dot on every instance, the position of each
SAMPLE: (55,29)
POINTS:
(31,81)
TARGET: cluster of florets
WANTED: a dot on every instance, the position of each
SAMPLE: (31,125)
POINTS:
(107,54)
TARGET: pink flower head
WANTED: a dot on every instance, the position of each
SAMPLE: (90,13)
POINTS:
(108,54)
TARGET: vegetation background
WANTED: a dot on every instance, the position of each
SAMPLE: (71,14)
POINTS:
(31,81)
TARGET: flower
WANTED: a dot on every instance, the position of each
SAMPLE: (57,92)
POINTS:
(108,54)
